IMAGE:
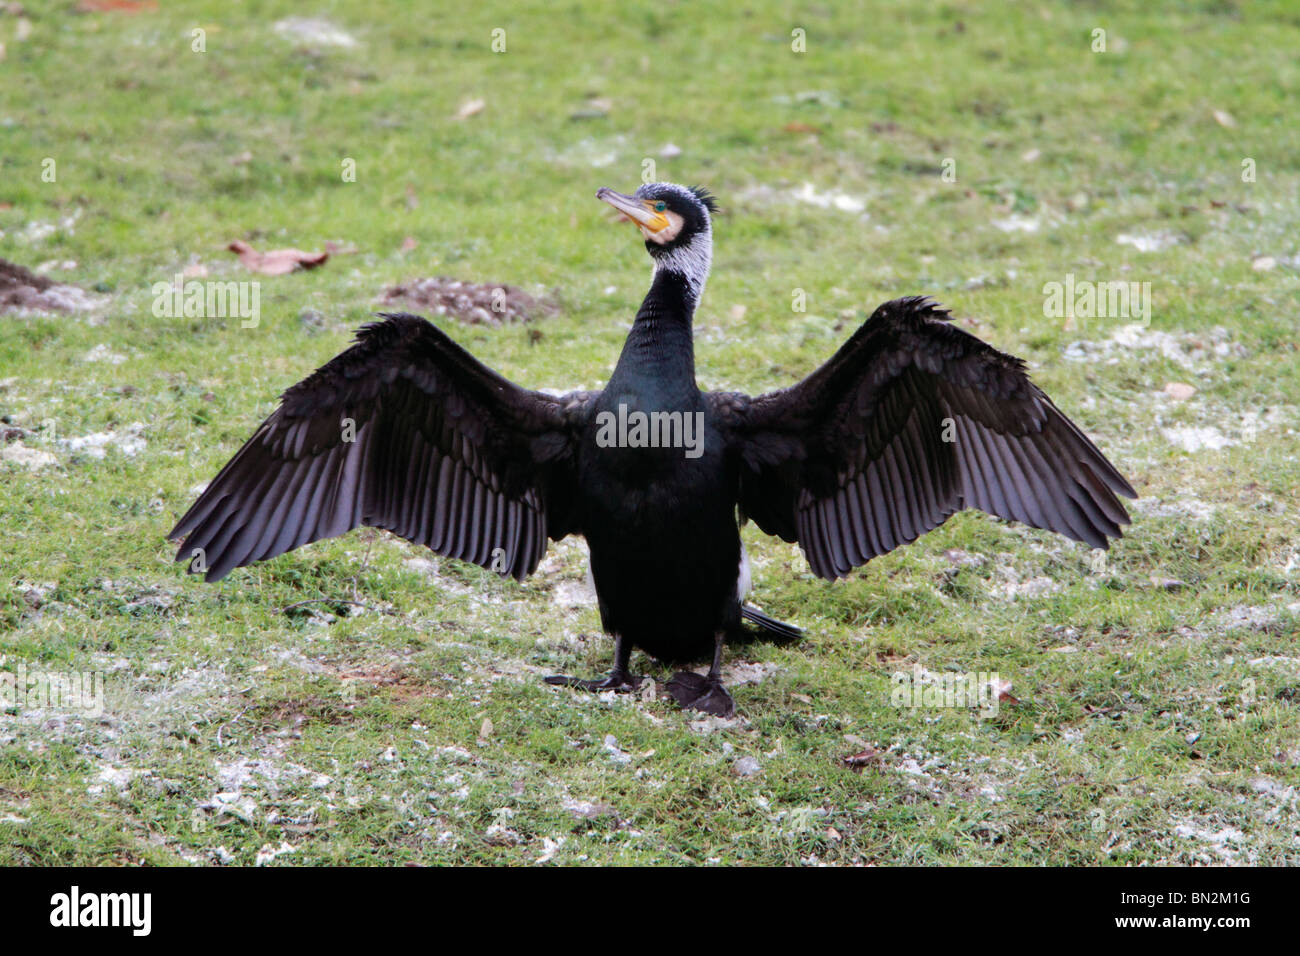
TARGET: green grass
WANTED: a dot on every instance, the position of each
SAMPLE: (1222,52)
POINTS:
(1154,724)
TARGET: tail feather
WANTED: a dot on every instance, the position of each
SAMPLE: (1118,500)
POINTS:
(770,626)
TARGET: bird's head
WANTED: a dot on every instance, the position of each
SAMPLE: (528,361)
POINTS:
(668,215)
(675,221)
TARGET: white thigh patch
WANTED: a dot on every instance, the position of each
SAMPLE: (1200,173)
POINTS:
(745,581)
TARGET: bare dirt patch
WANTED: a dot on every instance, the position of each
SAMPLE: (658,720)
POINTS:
(22,290)
(471,302)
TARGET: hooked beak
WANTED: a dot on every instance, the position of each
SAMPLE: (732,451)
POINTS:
(637,210)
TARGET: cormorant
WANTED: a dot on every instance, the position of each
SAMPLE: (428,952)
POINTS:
(912,420)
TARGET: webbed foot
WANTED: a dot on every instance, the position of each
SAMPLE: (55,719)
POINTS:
(699,692)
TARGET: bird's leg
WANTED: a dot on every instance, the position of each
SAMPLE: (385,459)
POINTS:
(706,693)
(619,680)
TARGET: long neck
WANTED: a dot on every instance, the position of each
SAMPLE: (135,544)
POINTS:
(660,347)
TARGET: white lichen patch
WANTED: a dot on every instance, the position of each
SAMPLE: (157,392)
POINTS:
(33,459)
(314,30)
(1222,845)
(1183,506)
(103,353)
(1016,223)
(1148,241)
(744,672)
(129,441)
(1195,351)
(830,199)
(1194,438)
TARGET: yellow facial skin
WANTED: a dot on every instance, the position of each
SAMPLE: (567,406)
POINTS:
(652,217)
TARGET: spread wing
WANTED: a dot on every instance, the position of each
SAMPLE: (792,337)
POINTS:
(913,419)
(404,431)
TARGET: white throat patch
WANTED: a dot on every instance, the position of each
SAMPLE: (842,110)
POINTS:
(691,261)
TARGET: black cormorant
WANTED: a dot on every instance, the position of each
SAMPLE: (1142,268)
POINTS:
(912,419)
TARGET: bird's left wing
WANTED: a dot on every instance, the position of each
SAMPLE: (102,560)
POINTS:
(913,419)
(404,431)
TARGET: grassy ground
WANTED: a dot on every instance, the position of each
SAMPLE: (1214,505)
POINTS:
(1156,714)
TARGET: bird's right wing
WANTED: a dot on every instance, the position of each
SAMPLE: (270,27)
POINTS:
(912,420)
(404,431)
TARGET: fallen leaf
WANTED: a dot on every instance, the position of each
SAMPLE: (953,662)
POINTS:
(1003,690)
(1179,391)
(408,244)
(470,108)
(800,128)
(1168,584)
(863,757)
(116,6)
(1224,119)
(278,261)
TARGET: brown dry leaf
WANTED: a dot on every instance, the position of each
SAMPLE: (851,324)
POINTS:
(277,262)
(1179,391)
(116,6)
(409,244)
(1003,690)
(800,128)
(862,758)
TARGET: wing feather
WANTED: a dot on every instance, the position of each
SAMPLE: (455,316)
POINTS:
(404,431)
(911,421)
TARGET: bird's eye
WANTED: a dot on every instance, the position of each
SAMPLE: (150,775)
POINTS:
(660,206)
